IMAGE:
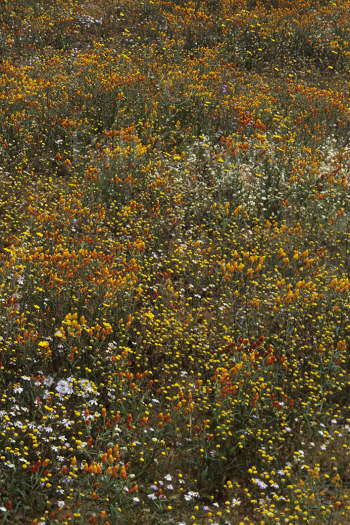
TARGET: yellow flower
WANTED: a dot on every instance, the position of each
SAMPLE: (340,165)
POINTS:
(43,344)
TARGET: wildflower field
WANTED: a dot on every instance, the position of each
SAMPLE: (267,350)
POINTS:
(174,262)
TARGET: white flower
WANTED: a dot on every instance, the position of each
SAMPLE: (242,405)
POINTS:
(190,495)
(168,477)
(48,381)
(64,387)
(261,484)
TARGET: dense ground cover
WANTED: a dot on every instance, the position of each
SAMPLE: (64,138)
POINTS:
(175,259)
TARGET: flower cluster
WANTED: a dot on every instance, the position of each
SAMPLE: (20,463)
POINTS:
(174,262)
